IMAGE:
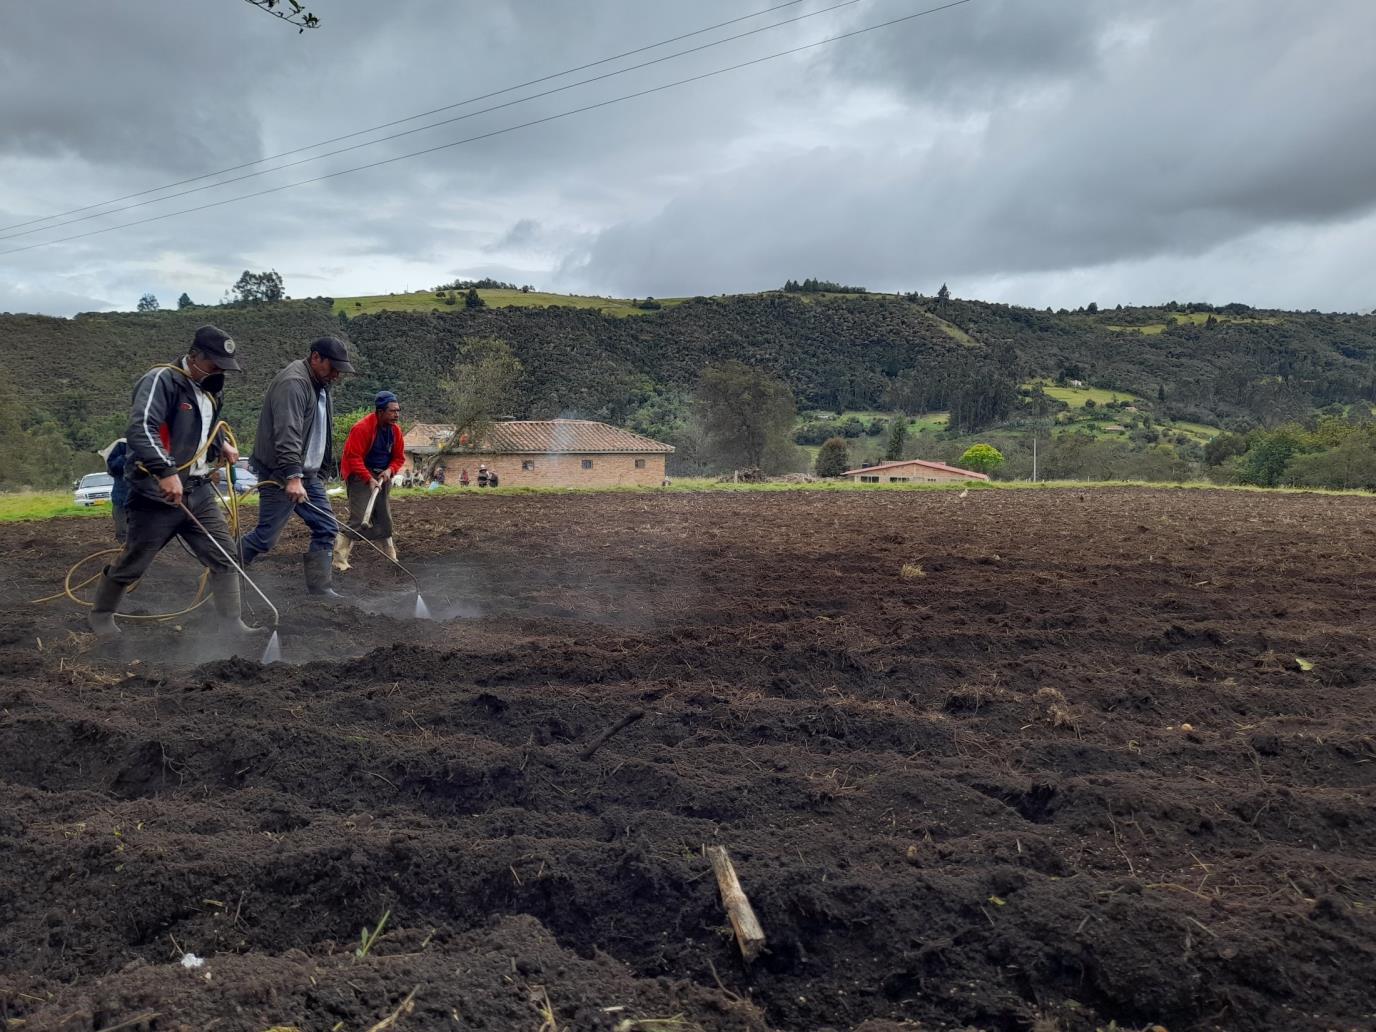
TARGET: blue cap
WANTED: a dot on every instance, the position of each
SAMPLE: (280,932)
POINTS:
(384,398)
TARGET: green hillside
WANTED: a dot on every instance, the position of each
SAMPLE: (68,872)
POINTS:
(67,381)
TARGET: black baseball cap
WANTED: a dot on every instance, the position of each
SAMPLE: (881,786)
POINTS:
(218,345)
(333,348)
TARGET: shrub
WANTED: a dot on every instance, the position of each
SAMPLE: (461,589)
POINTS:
(982,458)
(833,458)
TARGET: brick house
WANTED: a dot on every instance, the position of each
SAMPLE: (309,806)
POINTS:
(543,453)
(911,471)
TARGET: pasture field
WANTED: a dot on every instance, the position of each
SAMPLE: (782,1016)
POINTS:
(1190,318)
(1076,397)
(1057,759)
(425,301)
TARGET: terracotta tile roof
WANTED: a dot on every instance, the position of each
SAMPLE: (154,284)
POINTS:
(918,462)
(427,435)
(541,437)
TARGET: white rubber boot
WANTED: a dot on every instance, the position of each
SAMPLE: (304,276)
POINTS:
(342,546)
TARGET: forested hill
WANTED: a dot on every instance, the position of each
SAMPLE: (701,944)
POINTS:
(72,377)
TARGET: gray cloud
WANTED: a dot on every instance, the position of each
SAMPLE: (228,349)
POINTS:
(18,298)
(1072,145)
(133,84)
(984,52)
(1175,148)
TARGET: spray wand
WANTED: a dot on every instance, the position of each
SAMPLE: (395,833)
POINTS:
(422,610)
(273,651)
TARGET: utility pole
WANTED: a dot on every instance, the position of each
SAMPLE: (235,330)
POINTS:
(1034,455)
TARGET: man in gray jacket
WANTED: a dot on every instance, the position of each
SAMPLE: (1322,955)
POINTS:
(292,451)
(172,447)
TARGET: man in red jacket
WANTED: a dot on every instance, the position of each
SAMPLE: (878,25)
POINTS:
(373,454)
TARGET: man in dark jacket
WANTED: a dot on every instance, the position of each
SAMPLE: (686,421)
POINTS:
(373,454)
(170,452)
(291,454)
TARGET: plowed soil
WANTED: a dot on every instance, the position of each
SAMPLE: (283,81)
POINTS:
(1022,760)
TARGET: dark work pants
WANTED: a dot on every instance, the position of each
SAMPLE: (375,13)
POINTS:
(380,527)
(121,514)
(153,524)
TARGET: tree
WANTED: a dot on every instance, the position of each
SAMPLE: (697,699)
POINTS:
(482,385)
(944,294)
(473,299)
(1351,464)
(1092,308)
(343,423)
(982,458)
(1268,455)
(746,415)
(258,286)
(978,393)
(184,301)
(298,15)
(833,458)
(898,437)
(148,303)
(1224,447)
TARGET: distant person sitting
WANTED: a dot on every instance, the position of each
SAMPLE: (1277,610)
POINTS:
(463,477)
(484,477)
(436,478)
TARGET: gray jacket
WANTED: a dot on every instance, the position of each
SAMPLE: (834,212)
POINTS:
(165,427)
(284,425)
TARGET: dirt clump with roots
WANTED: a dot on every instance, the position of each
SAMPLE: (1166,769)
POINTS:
(1106,756)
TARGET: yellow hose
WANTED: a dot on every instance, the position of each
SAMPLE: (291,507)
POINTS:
(69,590)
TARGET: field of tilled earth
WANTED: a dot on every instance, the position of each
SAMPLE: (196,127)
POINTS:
(1025,760)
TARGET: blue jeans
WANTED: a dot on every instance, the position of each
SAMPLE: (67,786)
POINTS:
(274,509)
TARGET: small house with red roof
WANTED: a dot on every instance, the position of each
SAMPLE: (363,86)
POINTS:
(911,471)
(542,453)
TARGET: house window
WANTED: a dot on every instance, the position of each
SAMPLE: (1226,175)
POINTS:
(587,463)
(898,480)
(869,480)
(527,465)
(639,463)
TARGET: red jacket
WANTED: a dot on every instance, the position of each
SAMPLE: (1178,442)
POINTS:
(360,442)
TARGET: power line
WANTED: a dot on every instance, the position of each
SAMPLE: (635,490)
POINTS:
(408,118)
(500,132)
(431,125)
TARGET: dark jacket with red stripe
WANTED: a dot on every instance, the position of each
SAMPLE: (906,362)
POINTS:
(165,427)
(360,442)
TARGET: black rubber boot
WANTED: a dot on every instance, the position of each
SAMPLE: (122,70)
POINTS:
(102,615)
(318,573)
(227,596)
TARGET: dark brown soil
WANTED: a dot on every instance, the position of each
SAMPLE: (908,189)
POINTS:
(1024,760)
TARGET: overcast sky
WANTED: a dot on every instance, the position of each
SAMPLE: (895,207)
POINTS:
(1042,152)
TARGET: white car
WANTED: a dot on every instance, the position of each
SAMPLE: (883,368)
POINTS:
(94,489)
(245,480)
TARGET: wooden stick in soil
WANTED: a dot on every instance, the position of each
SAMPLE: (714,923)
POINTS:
(601,740)
(749,934)
(391,1019)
